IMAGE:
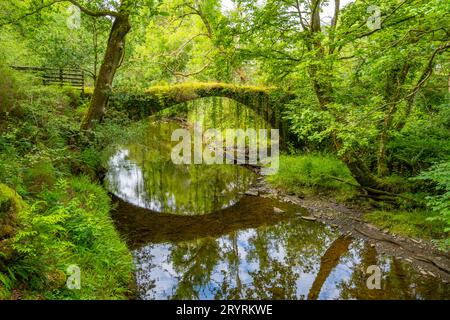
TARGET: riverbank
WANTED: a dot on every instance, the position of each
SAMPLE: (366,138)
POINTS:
(356,220)
(324,186)
(314,182)
(64,225)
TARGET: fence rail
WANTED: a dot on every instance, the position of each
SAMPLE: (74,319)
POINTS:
(57,76)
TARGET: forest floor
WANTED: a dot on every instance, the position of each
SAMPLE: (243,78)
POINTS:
(349,219)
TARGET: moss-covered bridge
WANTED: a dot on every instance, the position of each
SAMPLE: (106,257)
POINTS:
(268,102)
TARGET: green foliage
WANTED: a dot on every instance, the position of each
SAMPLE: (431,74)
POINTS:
(303,174)
(49,40)
(358,91)
(67,225)
(356,88)
(424,141)
(178,43)
(440,203)
(68,221)
(34,146)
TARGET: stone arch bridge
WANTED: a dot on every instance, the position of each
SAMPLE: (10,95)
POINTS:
(269,102)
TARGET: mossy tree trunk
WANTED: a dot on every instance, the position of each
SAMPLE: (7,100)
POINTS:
(111,62)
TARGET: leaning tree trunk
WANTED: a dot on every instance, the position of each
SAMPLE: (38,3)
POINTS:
(361,173)
(111,62)
(328,262)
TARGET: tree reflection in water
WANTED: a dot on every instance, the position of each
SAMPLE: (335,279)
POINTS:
(195,236)
(278,257)
(148,178)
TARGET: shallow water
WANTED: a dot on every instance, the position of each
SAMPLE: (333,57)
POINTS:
(195,235)
(249,252)
(144,175)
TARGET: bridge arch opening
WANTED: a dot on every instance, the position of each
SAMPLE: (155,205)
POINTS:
(218,112)
(264,101)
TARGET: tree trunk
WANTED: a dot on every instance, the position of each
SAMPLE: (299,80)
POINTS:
(111,62)
(382,165)
(95,41)
(361,172)
(328,262)
(395,81)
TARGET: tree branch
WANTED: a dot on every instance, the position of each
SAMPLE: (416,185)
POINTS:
(299,11)
(205,21)
(337,4)
(37,10)
(186,75)
(177,51)
(92,13)
(426,74)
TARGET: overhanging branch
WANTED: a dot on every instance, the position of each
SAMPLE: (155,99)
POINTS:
(90,12)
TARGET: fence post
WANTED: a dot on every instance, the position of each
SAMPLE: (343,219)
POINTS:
(61,79)
(82,82)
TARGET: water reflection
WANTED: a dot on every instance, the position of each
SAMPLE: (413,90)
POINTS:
(142,226)
(195,236)
(250,252)
(144,175)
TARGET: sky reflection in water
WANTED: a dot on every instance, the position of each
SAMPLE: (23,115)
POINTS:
(195,236)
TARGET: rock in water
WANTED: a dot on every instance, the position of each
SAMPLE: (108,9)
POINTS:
(277,210)
(252,192)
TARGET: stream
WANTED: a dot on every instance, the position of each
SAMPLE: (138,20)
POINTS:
(195,234)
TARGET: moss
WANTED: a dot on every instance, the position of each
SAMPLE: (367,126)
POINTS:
(265,101)
(88,91)
(172,94)
(414,223)
(10,205)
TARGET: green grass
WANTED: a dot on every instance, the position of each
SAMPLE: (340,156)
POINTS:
(414,223)
(311,174)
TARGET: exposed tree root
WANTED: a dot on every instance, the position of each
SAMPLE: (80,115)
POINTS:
(376,194)
(397,243)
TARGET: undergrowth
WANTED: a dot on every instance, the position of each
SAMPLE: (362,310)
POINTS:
(313,174)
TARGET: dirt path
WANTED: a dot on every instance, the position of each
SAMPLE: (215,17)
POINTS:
(423,255)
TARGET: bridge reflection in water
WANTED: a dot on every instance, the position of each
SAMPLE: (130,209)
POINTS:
(248,251)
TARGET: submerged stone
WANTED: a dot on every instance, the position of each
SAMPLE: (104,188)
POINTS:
(252,192)
(309,218)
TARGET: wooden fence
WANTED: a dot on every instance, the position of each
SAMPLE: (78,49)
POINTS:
(57,76)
